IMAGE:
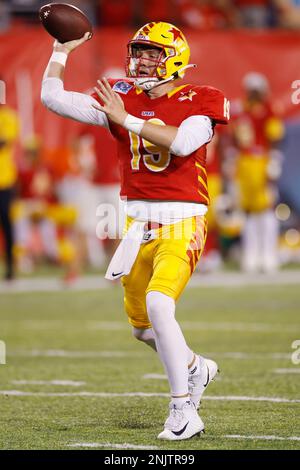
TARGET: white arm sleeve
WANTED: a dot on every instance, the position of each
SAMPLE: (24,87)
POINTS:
(77,106)
(192,133)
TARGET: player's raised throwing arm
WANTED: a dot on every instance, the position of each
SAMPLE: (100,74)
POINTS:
(193,132)
(77,106)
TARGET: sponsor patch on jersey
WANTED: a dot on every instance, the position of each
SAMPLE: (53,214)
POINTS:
(122,87)
(148,113)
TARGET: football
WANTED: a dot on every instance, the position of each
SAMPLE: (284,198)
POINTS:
(64,22)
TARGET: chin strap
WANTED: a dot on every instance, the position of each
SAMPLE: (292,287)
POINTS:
(148,83)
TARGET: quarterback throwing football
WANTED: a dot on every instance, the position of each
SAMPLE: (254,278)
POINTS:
(162,127)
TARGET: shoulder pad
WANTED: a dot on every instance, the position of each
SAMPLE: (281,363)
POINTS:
(212,103)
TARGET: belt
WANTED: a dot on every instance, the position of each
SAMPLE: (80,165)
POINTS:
(151,226)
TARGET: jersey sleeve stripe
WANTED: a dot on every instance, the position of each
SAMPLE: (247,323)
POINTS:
(201,180)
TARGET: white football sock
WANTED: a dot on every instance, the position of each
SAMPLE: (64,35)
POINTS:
(191,357)
(170,342)
(147,336)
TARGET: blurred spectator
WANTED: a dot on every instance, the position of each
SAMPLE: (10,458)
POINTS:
(197,14)
(9,130)
(206,14)
(116,12)
(75,190)
(95,149)
(156,10)
(256,132)
(211,259)
(4,16)
(288,13)
(28,9)
(253,13)
(35,231)
(89,7)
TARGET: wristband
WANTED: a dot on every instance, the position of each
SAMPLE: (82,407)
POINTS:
(134,124)
(59,57)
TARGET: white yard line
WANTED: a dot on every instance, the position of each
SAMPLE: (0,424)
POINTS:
(243,355)
(155,376)
(94,282)
(108,325)
(44,324)
(239,279)
(255,327)
(246,398)
(201,326)
(81,394)
(111,354)
(240,326)
(41,324)
(142,394)
(263,438)
(287,371)
(133,446)
(54,284)
(70,383)
(111,445)
(71,354)
(164,377)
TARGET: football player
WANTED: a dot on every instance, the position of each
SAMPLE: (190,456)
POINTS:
(162,126)
(256,132)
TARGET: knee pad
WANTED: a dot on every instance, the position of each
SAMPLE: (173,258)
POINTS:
(161,309)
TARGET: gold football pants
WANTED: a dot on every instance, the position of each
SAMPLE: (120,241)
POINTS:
(164,264)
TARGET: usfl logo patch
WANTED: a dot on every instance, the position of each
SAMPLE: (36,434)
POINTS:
(122,87)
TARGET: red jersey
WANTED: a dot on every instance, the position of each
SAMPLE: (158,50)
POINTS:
(252,125)
(36,182)
(149,172)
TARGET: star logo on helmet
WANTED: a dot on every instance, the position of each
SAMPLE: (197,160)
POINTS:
(176,34)
(187,96)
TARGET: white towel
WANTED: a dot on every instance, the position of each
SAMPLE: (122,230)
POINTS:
(127,251)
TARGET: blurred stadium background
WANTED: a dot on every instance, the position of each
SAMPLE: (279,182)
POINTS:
(61,167)
(56,171)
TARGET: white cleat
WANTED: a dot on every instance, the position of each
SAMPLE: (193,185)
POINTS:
(199,378)
(182,423)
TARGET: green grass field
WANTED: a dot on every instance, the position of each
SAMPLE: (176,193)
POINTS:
(84,337)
